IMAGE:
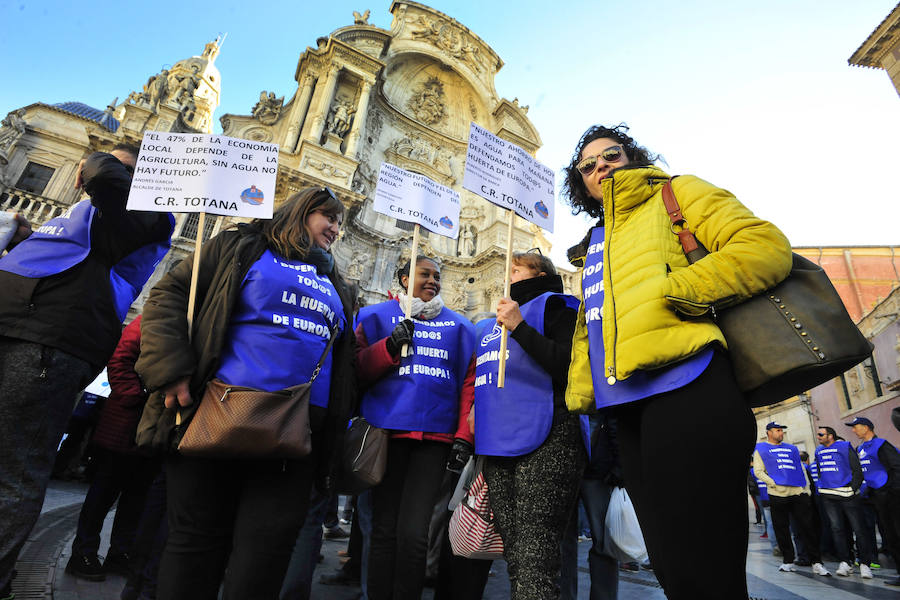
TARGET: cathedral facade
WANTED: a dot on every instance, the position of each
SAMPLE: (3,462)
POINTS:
(364,95)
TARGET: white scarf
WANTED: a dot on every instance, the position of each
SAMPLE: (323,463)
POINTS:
(420,308)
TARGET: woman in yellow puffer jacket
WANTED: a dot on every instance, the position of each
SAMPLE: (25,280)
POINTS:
(647,348)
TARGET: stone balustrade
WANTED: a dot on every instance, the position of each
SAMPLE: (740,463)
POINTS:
(36,208)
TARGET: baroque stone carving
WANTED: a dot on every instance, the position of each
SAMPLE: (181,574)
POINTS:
(361,19)
(156,89)
(357,264)
(325,168)
(258,134)
(340,117)
(183,88)
(268,109)
(11,129)
(449,38)
(428,102)
(465,245)
(423,151)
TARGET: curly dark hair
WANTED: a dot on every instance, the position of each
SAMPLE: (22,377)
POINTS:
(573,188)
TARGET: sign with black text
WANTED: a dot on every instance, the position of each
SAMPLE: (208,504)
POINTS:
(415,198)
(204,172)
(502,173)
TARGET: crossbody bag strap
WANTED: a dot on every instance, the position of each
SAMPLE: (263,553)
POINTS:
(693,249)
(328,346)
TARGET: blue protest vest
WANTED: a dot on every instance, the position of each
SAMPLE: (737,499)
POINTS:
(641,384)
(763,488)
(833,465)
(423,393)
(873,471)
(515,419)
(280,327)
(782,463)
(65,241)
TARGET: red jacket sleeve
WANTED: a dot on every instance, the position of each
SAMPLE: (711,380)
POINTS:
(123,380)
(466,404)
(372,362)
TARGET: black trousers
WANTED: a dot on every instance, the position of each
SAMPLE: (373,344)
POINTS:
(698,437)
(401,512)
(117,475)
(887,505)
(231,519)
(798,509)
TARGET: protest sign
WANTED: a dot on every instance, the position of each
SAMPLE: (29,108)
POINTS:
(502,173)
(506,175)
(187,172)
(413,197)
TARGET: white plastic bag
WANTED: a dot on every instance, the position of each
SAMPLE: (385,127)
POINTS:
(624,539)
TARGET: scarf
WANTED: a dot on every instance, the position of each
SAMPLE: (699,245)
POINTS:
(421,309)
(323,261)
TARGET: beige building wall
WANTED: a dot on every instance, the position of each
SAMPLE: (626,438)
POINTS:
(881,50)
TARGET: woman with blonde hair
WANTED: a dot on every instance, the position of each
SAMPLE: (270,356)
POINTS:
(269,299)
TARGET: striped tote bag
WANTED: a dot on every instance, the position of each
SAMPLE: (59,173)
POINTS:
(472,531)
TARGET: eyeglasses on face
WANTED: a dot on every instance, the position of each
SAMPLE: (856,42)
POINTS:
(609,155)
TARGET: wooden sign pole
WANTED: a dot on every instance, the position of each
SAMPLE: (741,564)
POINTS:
(192,295)
(501,375)
(411,282)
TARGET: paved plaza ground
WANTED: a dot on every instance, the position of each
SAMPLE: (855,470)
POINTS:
(42,562)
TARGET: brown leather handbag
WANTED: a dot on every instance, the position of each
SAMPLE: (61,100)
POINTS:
(364,457)
(241,422)
(788,339)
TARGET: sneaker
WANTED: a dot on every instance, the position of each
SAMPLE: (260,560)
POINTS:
(874,566)
(85,567)
(335,533)
(646,565)
(788,568)
(819,569)
(843,569)
(629,566)
(865,572)
(117,564)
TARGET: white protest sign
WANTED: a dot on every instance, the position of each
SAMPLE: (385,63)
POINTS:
(203,172)
(502,173)
(418,199)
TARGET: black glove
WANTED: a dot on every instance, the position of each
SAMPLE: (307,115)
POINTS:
(402,334)
(460,454)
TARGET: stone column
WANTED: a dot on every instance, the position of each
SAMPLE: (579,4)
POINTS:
(320,110)
(298,113)
(359,121)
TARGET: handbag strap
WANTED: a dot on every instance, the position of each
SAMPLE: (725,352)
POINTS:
(693,249)
(325,352)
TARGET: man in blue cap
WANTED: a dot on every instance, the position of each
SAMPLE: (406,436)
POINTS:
(880,464)
(778,465)
(840,477)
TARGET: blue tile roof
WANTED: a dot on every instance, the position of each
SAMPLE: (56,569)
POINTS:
(89,112)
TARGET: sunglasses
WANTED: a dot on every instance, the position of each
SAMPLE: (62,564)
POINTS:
(610,155)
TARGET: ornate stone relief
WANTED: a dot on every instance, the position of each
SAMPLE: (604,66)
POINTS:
(268,109)
(11,129)
(326,169)
(428,102)
(258,134)
(340,116)
(419,154)
(361,19)
(448,37)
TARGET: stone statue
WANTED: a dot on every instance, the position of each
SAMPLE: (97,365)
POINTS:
(11,129)
(361,19)
(186,86)
(156,89)
(357,263)
(466,245)
(427,104)
(268,108)
(340,117)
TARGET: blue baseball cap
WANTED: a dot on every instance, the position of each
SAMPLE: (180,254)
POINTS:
(774,425)
(861,421)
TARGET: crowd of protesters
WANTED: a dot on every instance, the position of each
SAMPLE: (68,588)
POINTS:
(637,356)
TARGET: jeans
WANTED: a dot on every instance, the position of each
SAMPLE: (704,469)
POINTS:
(770,529)
(297,584)
(604,569)
(38,387)
(232,519)
(836,508)
(401,512)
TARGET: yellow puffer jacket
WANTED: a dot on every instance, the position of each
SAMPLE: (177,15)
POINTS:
(656,306)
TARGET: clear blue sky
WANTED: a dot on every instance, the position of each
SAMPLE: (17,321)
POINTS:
(756,97)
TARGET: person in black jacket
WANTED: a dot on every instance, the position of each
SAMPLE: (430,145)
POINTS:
(61,312)
(269,299)
(533,444)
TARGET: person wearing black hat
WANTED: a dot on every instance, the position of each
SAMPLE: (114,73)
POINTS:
(880,464)
(778,465)
(840,477)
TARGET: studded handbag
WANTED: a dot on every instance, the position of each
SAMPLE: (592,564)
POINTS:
(788,339)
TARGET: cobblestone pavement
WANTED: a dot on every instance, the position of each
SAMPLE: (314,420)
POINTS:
(41,568)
